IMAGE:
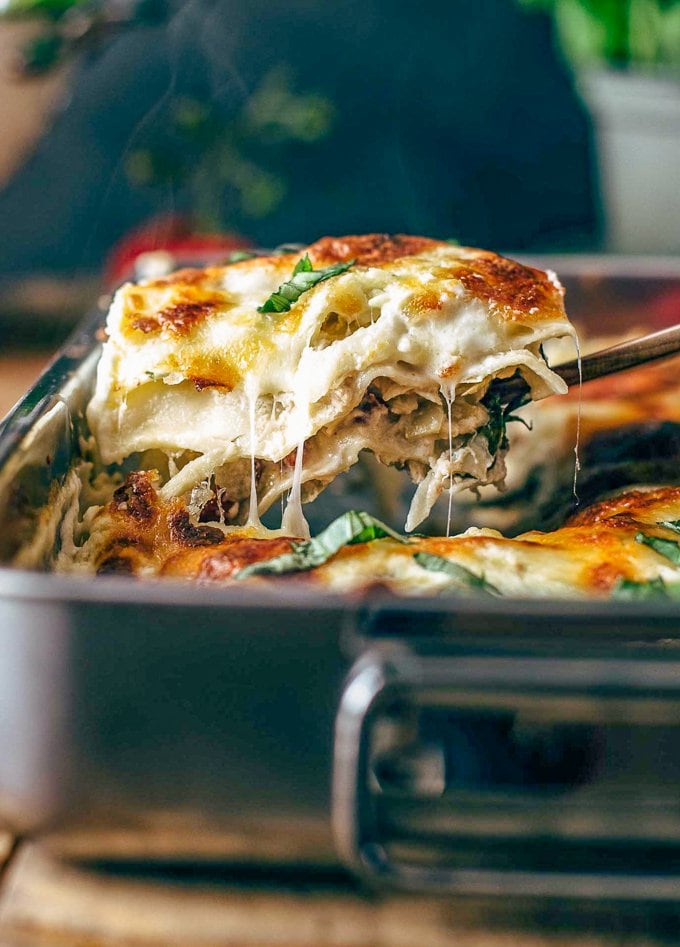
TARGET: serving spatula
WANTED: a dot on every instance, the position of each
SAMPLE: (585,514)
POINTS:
(616,358)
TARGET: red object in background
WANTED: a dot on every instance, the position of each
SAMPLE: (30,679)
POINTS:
(173,234)
(665,308)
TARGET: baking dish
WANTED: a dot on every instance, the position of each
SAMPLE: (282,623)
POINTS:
(468,745)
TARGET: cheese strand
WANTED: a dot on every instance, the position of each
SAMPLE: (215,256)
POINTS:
(293,522)
(253,512)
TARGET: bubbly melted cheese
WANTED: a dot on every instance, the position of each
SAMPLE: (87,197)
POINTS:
(267,402)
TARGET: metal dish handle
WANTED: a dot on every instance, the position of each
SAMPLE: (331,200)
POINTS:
(632,690)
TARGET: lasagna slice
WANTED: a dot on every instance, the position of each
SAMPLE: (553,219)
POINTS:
(272,374)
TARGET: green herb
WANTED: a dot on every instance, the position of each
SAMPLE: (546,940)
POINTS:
(499,417)
(350,528)
(47,8)
(238,255)
(494,429)
(620,32)
(303,278)
(673,525)
(462,577)
(668,548)
(627,590)
(55,39)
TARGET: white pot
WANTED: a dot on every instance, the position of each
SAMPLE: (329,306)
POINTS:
(25,103)
(637,125)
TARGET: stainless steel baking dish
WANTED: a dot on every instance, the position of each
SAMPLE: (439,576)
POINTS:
(463,745)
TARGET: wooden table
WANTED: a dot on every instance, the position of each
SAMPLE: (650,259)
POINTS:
(17,373)
(44,903)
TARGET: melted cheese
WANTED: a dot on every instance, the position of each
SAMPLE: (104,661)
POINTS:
(192,368)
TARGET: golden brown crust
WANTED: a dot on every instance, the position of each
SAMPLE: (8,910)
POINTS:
(177,304)
(190,306)
(185,533)
(513,289)
(598,547)
(147,534)
(371,249)
(199,383)
(510,288)
(136,498)
(223,563)
(632,505)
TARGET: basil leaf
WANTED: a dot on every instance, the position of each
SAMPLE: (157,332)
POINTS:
(499,417)
(627,590)
(462,576)
(303,278)
(668,548)
(494,429)
(673,525)
(349,529)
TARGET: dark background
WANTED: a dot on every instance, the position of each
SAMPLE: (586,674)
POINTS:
(452,118)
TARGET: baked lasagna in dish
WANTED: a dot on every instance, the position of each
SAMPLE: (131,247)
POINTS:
(220,390)
(269,376)
(626,546)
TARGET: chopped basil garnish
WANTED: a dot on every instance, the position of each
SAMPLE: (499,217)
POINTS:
(303,278)
(667,548)
(350,528)
(628,590)
(494,429)
(673,525)
(462,577)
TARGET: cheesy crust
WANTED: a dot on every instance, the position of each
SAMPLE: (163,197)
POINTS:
(139,533)
(395,355)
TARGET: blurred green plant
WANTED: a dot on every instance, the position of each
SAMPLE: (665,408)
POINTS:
(226,165)
(69,26)
(229,165)
(621,33)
